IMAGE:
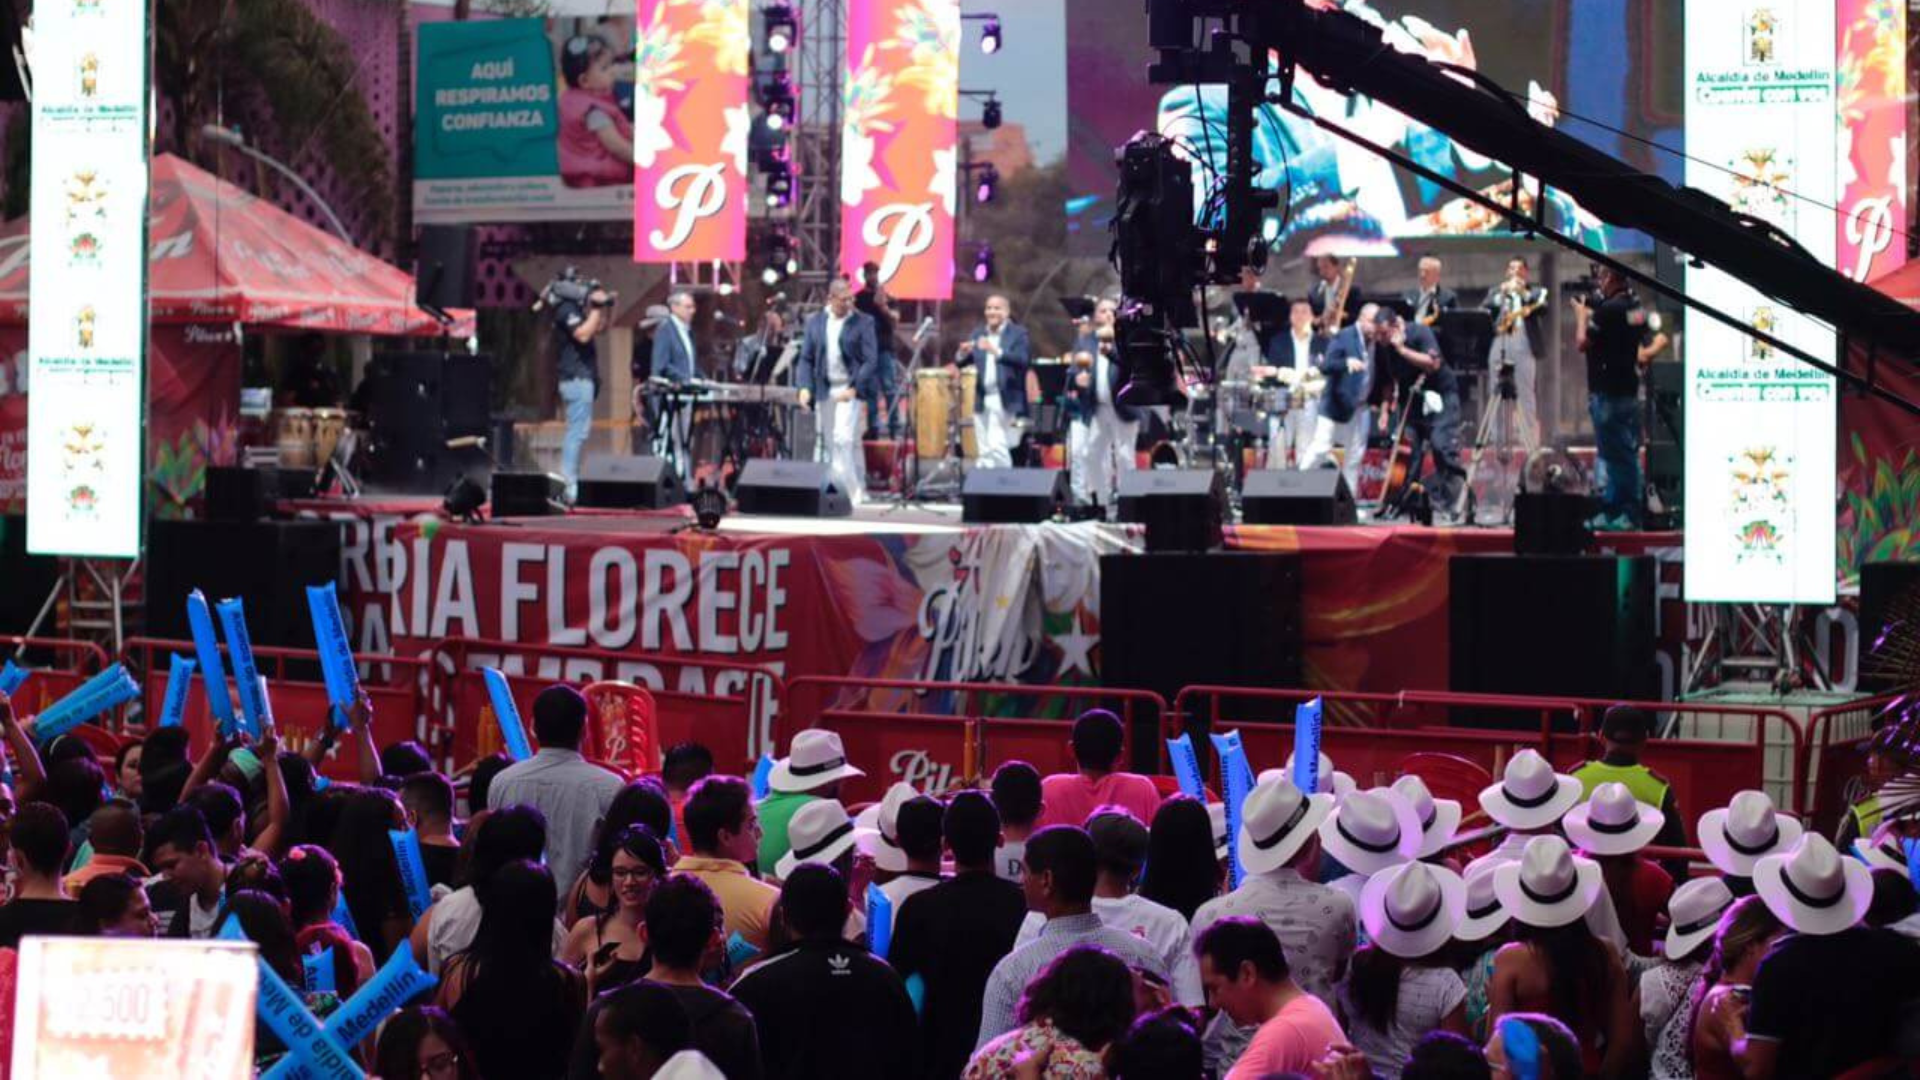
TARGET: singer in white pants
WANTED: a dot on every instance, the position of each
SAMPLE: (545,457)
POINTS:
(1350,436)
(1000,350)
(1101,449)
(838,352)
(996,435)
(842,419)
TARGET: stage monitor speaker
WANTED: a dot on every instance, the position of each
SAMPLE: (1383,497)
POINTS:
(267,564)
(1553,625)
(1172,620)
(1889,610)
(1181,508)
(625,482)
(443,269)
(1551,523)
(1297,497)
(1012,496)
(527,494)
(790,489)
(239,494)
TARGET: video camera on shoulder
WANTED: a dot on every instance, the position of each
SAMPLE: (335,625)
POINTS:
(568,287)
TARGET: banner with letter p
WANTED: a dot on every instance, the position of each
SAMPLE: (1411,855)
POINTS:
(690,123)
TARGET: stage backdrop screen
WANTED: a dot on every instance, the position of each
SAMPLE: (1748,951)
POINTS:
(898,153)
(1604,71)
(87,303)
(690,131)
(525,120)
(1760,447)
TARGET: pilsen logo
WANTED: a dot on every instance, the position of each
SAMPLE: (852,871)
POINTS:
(901,231)
(697,192)
(918,768)
(1869,228)
(953,621)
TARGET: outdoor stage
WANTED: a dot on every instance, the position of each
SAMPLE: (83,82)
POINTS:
(908,593)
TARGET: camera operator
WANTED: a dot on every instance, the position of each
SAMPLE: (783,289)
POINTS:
(1611,328)
(580,314)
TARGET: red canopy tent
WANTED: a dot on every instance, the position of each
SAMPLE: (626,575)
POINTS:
(1880,452)
(220,260)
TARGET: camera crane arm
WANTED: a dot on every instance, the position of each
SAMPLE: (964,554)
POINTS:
(1350,55)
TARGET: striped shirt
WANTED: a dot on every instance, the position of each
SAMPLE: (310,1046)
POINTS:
(1011,975)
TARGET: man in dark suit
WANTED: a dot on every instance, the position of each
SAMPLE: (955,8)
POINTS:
(1001,350)
(1345,417)
(1100,440)
(837,356)
(1293,360)
(1429,397)
(674,359)
(882,390)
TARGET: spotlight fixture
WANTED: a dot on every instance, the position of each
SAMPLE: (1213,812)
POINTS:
(464,499)
(776,94)
(782,30)
(983,264)
(987,183)
(990,114)
(990,36)
(779,182)
(778,257)
(709,506)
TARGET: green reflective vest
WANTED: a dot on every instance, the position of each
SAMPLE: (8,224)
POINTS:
(1646,785)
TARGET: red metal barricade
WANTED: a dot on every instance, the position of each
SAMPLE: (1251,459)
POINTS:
(1371,736)
(1836,765)
(299,697)
(728,707)
(55,667)
(937,735)
(623,727)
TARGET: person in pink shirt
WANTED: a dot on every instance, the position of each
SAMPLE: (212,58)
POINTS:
(1071,798)
(1244,972)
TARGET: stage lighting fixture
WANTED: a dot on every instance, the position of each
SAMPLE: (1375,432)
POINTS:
(779,183)
(709,506)
(990,37)
(782,30)
(464,500)
(779,259)
(986,184)
(983,264)
(777,95)
(990,114)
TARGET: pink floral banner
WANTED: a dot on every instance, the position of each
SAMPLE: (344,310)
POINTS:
(898,175)
(1872,85)
(690,121)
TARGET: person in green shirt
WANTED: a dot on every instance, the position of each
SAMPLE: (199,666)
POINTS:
(1624,731)
(813,769)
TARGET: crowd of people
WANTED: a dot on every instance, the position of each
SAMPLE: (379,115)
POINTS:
(1074,925)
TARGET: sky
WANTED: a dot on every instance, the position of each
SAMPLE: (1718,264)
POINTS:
(1029,72)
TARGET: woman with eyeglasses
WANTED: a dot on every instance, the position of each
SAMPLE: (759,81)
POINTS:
(422,1043)
(610,947)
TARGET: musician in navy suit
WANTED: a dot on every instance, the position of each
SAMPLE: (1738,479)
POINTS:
(1100,440)
(1345,418)
(674,360)
(1293,358)
(838,353)
(1001,350)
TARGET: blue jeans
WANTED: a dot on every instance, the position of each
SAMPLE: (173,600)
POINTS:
(576,397)
(1616,435)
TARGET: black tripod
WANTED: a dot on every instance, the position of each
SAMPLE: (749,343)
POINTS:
(1499,430)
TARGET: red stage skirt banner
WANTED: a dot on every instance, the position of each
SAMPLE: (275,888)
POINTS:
(1872,68)
(690,131)
(899,172)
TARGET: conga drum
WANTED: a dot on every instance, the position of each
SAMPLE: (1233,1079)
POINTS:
(328,426)
(293,436)
(969,441)
(932,407)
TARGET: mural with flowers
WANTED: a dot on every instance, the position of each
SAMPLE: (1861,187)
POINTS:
(690,124)
(1871,74)
(900,103)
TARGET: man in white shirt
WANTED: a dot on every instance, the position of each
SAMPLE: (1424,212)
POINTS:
(1001,350)
(1120,843)
(837,354)
(1104,431)
(1294,358)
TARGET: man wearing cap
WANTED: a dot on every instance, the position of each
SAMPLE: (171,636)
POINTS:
(724,834)
(1071,798)
(1530,800)
(1832,995)
(1279,847)
(1624,731)
(951,935)
(1120,845)
(813,768)
(1062,871)
(825,1006)
(571,791)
